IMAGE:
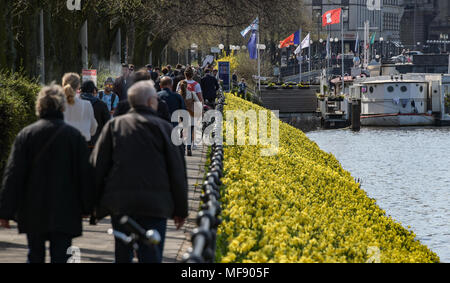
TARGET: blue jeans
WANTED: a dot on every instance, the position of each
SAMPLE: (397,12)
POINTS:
(146,254)
(59,245)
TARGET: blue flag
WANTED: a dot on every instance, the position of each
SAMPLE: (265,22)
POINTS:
(252,46)
(297,37)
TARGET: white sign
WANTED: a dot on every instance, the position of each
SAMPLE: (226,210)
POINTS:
(90,75)
(261,78)
(74,5)
(215,50)
(208,60)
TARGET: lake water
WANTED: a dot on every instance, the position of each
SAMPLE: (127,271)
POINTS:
(406,170)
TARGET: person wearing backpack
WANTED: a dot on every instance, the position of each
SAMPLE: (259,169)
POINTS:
(193,99)
(108,96)
(101,112)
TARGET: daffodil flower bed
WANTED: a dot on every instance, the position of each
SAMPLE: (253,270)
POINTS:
(302,206)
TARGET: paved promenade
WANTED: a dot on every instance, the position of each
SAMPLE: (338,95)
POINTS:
(96,246)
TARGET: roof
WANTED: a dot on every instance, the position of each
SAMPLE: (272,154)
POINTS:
(338,80)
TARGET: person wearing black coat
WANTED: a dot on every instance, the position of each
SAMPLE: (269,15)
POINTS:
(139,172)
(124,106)
(101,111)
(47,181)
(210,86)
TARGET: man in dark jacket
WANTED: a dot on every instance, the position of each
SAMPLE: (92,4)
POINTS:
(101,111)
(124,106)
(210,86)
(140,173)
(47,182)
(122,83)
(173,100)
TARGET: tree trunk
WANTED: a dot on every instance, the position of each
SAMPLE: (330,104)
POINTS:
(131,35)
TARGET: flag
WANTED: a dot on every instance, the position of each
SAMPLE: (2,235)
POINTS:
(251,46)
(372,40)
(373,5)
(332,17)
(253,26)
(291,40)
(357,43)
(305,44)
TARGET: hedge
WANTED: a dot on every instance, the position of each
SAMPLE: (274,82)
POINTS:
(17,102)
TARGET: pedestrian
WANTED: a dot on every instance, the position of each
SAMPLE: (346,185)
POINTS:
(101,112)
(197,76)
(47,181)
(178,78)
(243,89)
(216,74)
(170,71)
(108,96)
(131,68)
(149,68)
(194,107)
(139,172)
(122,83)
(210,86)
(78,113)
(235,80)
(124,106)
(173,100)
(191,84)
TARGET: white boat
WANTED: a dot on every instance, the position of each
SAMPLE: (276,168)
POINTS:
(403,100)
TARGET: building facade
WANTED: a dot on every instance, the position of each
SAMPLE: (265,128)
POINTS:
(425,20)
(385,22)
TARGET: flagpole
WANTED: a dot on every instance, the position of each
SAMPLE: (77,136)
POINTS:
(299,59)
(259,56)
(309,57)
(342,54)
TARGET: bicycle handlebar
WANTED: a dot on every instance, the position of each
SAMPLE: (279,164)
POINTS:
(150,237)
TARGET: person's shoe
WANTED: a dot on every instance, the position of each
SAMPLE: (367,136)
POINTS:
(189,152)
(194,147)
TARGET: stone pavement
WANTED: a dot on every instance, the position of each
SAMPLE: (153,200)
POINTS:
(96,246)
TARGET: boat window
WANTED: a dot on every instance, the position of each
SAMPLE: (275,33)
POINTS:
(371,89)
(404,89)
(421,88)
(390,89)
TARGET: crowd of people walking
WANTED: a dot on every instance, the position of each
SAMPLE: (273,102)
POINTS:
(94,154)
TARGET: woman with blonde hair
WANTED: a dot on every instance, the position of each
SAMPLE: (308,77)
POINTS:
(79,113)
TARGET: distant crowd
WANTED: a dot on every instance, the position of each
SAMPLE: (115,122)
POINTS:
(97,153)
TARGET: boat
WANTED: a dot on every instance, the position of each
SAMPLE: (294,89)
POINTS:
(403,99)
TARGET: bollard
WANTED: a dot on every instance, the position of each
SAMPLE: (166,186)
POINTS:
(356,115)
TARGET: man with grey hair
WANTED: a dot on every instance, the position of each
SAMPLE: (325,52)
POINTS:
(46,186)
(140,173)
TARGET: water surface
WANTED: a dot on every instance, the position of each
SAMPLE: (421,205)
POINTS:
(407,170)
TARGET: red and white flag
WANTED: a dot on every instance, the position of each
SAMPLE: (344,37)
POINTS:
(332,17)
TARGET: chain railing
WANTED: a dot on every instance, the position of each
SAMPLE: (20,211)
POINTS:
(208,219)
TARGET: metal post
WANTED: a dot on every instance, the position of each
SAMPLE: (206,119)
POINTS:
(342,48)
(259,57)
(309,58)
(42,51)
(300,57)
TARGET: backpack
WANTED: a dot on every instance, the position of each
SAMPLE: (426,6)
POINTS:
(113,98)
(190,92)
